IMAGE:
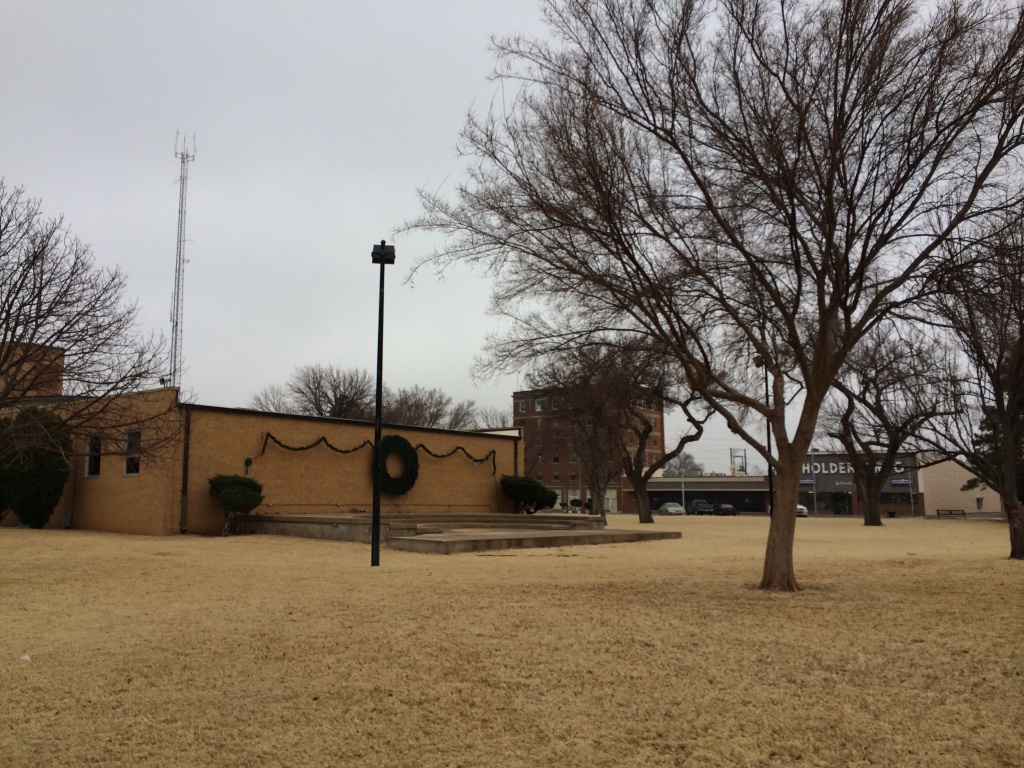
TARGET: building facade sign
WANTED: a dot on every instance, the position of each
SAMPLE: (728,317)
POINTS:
(833,472)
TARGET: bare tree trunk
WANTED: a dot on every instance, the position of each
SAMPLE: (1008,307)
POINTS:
(643,502)
(599,482)
(1011,499)
(595,491)
(871,497)
(1015,515)
(779,573)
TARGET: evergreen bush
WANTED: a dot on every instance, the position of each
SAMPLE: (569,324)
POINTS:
(237,494)
(527,493)
(35,468)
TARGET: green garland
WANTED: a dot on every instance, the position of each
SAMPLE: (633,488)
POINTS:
(267,437)
(490,455)
(394,486)
(398,486)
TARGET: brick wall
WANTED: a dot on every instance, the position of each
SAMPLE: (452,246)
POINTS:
(321,480)
(315,481)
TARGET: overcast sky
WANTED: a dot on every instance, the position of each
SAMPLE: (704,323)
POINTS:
(315,123)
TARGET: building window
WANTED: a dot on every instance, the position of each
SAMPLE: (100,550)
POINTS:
(554,404)
(132,452)
(572,476)
(554,459)
(94,448)
(556,477)
(522,406)
(540,457)
(654,441)
(538,405)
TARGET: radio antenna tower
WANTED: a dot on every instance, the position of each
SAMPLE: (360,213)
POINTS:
(186,157)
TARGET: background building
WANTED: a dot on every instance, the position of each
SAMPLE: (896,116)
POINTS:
(915,488)
(551,456)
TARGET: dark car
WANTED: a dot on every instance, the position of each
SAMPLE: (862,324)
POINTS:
(700,507)
(725,509)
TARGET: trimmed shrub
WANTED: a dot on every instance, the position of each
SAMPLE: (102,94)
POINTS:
(33,476)
(528,493)
(237,494)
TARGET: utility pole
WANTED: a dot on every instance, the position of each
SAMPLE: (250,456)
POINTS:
(383,254)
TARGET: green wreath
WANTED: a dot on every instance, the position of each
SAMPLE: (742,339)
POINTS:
(397,486)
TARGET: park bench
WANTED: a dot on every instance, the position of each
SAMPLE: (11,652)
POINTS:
(951,513)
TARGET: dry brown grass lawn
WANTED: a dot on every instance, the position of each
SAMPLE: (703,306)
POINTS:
(903,650)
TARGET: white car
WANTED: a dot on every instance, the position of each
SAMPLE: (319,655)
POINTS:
(801,510)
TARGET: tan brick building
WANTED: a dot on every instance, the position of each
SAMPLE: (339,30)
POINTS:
(30,370)
(154,480)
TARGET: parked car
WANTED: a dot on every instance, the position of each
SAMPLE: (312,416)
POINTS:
(801,510)
(725,509)
(671,508)
(700,507)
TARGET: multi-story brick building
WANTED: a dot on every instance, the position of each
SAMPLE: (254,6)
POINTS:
(550,456)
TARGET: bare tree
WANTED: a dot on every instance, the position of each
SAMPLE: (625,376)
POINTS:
(738,179)
(274,399)
(683,465)
(587,402)
(416,405)
(897,380)
(493,418)
(320,390)
(325,390)
(982,307)
(69,341)
(638,467)
(607,392)
(636,377)
(427,407)
(461,415)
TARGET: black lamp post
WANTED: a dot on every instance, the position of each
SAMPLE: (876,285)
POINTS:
(383,255)
(760,363)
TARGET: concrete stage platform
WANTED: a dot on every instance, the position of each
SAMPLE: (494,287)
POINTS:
(450,533)
(453,541)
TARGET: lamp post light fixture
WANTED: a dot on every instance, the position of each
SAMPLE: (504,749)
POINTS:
(760,363)
(382,254)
